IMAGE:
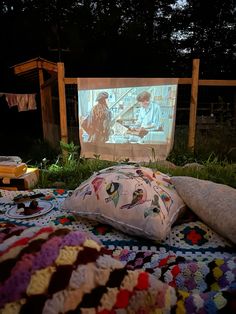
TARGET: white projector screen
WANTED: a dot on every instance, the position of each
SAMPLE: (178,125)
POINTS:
(127,118)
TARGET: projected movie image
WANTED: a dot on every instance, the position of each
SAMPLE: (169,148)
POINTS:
(142,115)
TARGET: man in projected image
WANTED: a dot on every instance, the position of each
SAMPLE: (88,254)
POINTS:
(100,119)
(148,117)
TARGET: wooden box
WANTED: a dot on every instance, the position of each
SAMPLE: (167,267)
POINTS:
(12,170)
(24,182)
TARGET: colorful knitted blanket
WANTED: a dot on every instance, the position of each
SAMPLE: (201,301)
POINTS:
(57,264)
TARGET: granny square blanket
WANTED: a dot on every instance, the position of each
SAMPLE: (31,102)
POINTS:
(57,263)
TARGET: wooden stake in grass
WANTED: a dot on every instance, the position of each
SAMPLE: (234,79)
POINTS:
(193,105)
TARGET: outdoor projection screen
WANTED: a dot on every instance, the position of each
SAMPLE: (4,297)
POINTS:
(127,118)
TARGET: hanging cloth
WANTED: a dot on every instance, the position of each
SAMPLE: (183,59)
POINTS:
(24,102)
(11,100)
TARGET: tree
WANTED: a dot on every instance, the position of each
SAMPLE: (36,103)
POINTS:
(210,37)
(122,37)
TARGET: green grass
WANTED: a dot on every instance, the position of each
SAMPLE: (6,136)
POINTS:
(70,174)
(215,150)
(219,173)
(70,170)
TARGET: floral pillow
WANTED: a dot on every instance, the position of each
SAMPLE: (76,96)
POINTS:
(134,199)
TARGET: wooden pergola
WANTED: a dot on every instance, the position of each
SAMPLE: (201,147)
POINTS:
(56,72)
(37,69)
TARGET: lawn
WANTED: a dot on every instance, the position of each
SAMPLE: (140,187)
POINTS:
(215,155)
(71,170)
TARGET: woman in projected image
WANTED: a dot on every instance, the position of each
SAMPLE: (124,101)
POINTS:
(148,117)
(100,120)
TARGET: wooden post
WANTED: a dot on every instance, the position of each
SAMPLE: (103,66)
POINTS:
(43,105)
(62,102)
(193,105)
(48,101)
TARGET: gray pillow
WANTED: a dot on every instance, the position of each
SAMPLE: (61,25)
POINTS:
(214,203)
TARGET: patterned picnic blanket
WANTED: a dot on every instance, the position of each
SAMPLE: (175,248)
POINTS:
(192,271)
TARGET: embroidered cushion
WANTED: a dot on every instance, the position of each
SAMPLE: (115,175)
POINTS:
(136,200)
(214,203)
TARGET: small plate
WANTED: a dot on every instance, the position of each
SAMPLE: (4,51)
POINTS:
(44,205)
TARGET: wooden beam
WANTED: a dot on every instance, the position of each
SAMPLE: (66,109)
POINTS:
(62,101)
(193,105)
(71,80)
(48,66)
(43,105)
(48,101)
(185,81)
(217,83)
(25,67)
(35,64)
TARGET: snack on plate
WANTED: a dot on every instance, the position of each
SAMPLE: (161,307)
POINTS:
(28,210)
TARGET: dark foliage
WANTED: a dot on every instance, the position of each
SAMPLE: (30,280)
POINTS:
(121,38)
(107,38)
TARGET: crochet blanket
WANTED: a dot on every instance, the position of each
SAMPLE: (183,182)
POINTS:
(55,263)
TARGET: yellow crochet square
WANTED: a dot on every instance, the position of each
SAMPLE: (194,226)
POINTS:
(68,255)
(40,280)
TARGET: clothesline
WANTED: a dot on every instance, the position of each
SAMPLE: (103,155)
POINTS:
(24,102)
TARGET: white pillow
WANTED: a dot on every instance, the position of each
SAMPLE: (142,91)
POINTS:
(214,203)
(133,199)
